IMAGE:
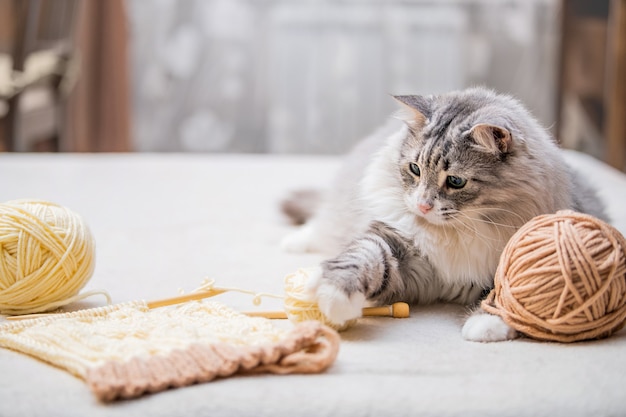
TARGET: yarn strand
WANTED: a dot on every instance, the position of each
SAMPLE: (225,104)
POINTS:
(61,303)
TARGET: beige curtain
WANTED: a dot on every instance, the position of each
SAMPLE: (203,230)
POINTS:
(98,111)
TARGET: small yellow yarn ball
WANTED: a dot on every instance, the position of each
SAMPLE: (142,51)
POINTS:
(562,277)
(299,306)
(47,255)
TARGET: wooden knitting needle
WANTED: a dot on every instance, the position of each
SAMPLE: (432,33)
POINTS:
(198,295)
(396,310)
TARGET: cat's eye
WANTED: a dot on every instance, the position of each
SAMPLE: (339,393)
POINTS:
(415,169)
(455,182)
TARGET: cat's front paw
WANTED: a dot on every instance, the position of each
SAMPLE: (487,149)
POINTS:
(483,327)
(334,302)
(337,306)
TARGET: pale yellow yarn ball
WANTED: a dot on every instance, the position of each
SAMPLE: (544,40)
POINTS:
(299,304)
(47,255)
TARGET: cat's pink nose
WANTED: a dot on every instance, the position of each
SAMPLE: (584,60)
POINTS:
(425,207)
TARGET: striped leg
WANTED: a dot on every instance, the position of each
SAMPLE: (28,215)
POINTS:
(381,267)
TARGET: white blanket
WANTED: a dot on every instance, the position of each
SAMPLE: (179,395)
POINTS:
(163,222)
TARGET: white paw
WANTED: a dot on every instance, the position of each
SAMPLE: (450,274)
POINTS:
(487,328)
(336,305)
(298,241)
(312,280)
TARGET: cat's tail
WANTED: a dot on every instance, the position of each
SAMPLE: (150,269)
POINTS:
(300,205)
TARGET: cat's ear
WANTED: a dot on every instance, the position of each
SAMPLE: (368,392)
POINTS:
(495,138)
(416,110)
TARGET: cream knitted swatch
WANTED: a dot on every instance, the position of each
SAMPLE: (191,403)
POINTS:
(126,350)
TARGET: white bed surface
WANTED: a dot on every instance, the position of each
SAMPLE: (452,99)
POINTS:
(163,222)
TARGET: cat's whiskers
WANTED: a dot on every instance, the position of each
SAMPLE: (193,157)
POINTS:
(482,210)
(470,232)
(500,228)
(486,220)
(472,227)
(445,233)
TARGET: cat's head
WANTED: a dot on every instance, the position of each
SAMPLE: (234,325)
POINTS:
(473,155)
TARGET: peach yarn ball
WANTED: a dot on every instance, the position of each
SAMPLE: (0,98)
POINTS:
(47,255)
(562,277)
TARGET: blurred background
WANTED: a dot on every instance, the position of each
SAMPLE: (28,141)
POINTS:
(297,76)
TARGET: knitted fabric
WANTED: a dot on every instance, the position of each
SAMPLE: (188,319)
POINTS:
(126,350)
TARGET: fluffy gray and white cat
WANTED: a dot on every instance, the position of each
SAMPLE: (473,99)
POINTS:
(421,212)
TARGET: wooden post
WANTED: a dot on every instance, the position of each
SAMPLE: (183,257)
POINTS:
(615,94)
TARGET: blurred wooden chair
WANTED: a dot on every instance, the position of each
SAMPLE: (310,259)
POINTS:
(592,93)
(36,70)
(616,86)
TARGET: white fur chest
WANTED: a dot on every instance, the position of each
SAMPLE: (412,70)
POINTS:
(461,256)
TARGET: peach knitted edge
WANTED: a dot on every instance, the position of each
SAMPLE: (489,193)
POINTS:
(310,347)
